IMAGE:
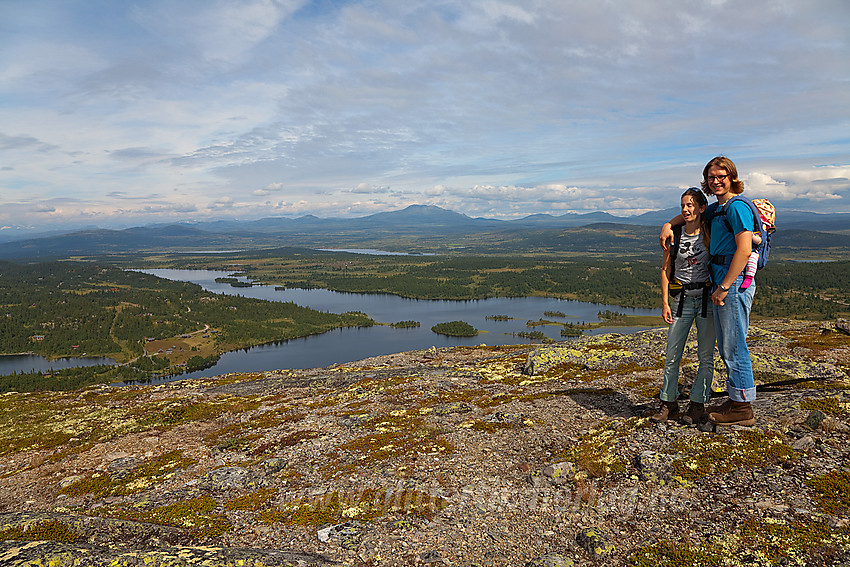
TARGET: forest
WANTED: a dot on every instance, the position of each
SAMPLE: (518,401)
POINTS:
(811,290)
(70,308)
(455,329)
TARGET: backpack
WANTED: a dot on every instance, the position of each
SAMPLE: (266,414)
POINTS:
(765,215)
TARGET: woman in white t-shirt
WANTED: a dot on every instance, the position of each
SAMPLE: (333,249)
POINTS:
(685,276)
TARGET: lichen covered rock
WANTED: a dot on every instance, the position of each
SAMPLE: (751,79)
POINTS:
(596,543)
(459,459)
(57,554)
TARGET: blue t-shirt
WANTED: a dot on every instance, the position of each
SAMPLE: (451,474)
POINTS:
(740,217)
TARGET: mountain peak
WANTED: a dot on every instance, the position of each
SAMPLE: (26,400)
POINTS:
(430,212)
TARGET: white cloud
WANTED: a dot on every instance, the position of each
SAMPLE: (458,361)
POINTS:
(502,107)
(368,189)
(827,183)
(435,191)
(764,185)
(820,196)
(221,31)
(362,188)
(491,12)
(548,194)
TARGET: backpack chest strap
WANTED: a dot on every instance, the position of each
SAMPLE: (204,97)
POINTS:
(722,259)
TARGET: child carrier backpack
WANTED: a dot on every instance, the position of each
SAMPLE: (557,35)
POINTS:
(765,215)
(675,286)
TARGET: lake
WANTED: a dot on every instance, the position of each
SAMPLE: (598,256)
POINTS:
(12,363)
(346,345)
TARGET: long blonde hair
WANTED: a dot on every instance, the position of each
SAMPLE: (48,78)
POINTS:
(722,162)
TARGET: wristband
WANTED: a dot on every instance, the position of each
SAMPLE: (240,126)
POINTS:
(724,288)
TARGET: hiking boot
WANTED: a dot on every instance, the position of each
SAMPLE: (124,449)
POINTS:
(736,413)
(667,409)
(694,414)
(722,408)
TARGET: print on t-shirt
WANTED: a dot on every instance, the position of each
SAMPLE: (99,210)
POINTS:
(692,261)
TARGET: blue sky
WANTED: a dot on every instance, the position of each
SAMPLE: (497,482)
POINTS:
(128,113)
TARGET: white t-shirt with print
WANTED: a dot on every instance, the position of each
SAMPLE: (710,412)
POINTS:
(692,261)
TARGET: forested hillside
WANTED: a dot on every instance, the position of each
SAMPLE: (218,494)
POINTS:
(785,289)
(163,327)
(423,230)
(65,309)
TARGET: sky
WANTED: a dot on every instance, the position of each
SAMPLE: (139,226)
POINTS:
(136,112)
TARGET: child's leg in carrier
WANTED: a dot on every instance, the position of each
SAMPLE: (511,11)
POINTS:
(752,263)
(750,270)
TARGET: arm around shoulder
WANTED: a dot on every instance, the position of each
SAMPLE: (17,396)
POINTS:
(666,236)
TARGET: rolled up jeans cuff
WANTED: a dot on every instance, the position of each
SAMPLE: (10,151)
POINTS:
(742,395)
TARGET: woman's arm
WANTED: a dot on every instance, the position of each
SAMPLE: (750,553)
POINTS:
(666,313)
(666,236)
(744,242)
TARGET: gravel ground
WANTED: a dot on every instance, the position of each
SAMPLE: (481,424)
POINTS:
(454,456)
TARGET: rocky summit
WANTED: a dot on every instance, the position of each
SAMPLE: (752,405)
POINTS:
(523,455)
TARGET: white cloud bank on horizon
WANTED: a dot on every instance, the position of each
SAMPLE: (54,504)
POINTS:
(157,111)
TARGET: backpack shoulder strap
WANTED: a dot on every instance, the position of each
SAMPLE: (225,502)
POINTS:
(674,250)
(756,216)
(759,226)
(677,238)
(710,212)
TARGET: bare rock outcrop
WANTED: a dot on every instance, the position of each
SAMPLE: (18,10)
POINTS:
(469,456)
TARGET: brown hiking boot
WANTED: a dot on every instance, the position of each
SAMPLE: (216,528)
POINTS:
(694,414)
(736,413)
(667,409)
(721,408)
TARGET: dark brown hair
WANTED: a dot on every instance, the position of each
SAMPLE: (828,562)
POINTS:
(701,201)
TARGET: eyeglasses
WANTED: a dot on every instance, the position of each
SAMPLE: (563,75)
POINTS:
(716,177)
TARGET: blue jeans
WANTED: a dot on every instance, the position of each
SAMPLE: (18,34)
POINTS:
(732,321)
(677,335)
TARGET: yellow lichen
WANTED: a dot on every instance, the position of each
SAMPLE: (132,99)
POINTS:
(53,530)
(832,491)
(367,505)
(253,501)
(197,515)
(150,472)
(832,406)
(704,455)
(756,542)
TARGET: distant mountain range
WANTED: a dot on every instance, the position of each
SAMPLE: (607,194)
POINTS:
(414,222)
